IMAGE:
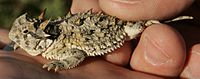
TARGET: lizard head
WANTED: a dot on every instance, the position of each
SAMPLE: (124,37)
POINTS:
(26,33)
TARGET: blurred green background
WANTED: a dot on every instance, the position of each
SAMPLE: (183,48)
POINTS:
(11,9)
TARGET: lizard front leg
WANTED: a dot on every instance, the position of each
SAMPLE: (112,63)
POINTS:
(70,58)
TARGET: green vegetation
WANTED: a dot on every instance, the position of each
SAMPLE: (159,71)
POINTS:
(11,9)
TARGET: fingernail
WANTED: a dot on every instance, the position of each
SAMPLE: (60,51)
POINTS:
(154,53)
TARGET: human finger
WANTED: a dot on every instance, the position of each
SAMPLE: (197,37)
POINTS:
(4,40)
(121,56)
(101,69)
(4,36)
(192,70)
(143,9)
(84,5)
(161,51)
(21,67)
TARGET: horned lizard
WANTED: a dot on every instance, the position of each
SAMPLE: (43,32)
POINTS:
(68,40)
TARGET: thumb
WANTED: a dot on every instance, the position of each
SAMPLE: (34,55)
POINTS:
(161,51)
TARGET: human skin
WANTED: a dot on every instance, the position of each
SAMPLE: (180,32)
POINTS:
(160,53)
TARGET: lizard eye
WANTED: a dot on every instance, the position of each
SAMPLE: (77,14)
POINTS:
(25,31)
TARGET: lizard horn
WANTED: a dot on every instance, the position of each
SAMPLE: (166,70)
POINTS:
(42,15)
(44,24)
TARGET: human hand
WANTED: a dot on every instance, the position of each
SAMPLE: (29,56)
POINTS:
(19,65)
(161,52)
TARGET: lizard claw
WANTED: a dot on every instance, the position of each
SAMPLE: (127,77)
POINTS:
(56,65)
